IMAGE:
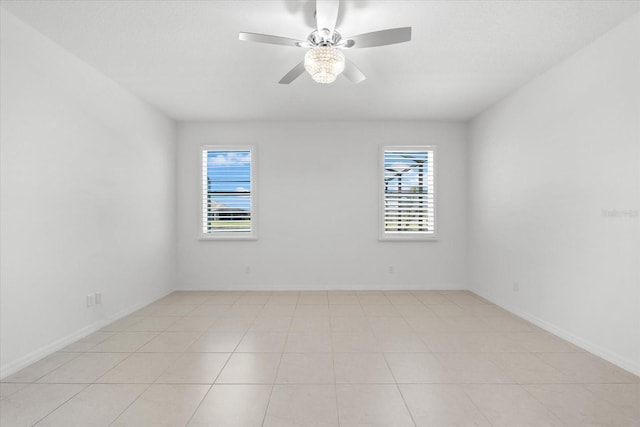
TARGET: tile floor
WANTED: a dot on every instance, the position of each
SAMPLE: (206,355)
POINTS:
(419,358)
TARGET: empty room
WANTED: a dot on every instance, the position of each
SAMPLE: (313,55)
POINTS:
(319,213)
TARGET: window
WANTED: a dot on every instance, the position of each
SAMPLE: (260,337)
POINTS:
(228,192)
(408,193)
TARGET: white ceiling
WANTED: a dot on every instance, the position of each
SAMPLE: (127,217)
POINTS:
(184,57)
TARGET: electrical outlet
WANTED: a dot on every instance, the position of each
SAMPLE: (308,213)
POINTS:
(91,300)
(247,269)
(98,298)
(516,286)
(391,269)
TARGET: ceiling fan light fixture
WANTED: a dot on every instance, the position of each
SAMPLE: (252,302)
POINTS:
(324,63)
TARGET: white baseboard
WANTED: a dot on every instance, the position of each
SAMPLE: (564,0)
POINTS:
(44,351)
(332,287)
(616,359)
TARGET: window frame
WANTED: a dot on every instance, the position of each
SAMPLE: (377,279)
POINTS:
(222,235)
(384,235)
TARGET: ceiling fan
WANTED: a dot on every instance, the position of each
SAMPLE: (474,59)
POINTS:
(324,60)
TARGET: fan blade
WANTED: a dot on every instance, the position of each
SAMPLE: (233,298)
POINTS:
(293,74)
(327,14)
(352,72)
(382,38)
(265,38)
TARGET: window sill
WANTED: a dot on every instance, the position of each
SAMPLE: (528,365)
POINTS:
(408,238)
(227,238)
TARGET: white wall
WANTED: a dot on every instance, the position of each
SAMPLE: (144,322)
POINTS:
(318,209)
(545,162)
(88,197)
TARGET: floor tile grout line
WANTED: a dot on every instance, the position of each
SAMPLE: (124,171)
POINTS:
(273,386)
(406,405)
(395,381)
(204,397)
(335,377)
(132,402)
(63,403)
(35,380)
(549,410)
(473,402)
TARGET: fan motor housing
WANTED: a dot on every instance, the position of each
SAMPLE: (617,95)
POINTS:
(324,37)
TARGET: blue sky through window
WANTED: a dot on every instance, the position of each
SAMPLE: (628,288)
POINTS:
(407,169)
(229,177)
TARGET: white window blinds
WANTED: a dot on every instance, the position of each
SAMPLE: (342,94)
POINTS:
(408,192)
(228,192)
